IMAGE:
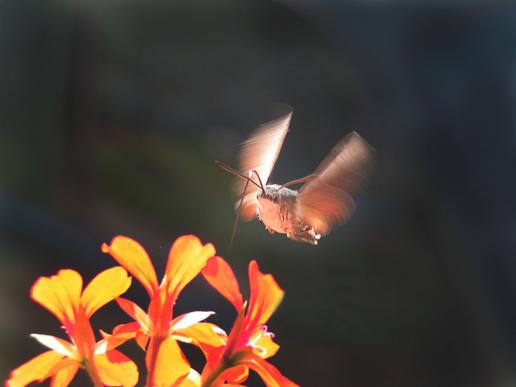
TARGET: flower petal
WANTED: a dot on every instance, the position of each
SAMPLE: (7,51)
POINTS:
(142,340)
(131,255)
(62,347)
(266,295)
(265,347)
(134,311)
(105,287)
(83,336)
(203,334)
(188,319)
(186,259)
(102,346)
(127,328)
(209,338)
(121,334)
(171,365)
(60,294)
(125,332)
(270,375)
(193,379)
(64,376)
(236,375)
(35,370)
(64,363)
(116,369)
(218,273)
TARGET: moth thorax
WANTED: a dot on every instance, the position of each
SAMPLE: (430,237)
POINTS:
(277,193)
(275,208)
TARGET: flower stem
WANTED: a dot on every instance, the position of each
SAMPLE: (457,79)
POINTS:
(153,351)
(93,374)
(214,375)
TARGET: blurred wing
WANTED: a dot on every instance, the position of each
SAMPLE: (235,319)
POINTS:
(259,153)
(325,199)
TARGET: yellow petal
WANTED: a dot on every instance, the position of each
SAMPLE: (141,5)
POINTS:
(116,369)
(131,255)
(186,259)
(64,376)
(218,273)
(63,363)
(203,334)
(105,287)
(193,379)
(35,370)
(266,295)
(265,347)
(60,294)
(171,365)
(209,338)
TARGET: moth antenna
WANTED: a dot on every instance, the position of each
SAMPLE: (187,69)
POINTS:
(234,172)
(237,214)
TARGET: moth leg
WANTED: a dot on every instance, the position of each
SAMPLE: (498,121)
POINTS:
(305,233)
(237,215)
(297,181)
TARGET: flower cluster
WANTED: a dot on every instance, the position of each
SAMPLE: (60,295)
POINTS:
(156,329)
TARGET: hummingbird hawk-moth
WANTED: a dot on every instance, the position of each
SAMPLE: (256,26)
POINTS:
(323,201)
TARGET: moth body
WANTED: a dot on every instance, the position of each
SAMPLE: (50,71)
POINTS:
(324,199)
(276,209)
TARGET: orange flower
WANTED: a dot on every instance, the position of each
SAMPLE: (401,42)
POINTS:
(157,330)
(63,295)
(249,343)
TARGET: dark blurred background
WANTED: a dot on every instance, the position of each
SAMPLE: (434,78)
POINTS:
(111,114)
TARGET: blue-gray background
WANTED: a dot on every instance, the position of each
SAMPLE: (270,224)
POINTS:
(111,114)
